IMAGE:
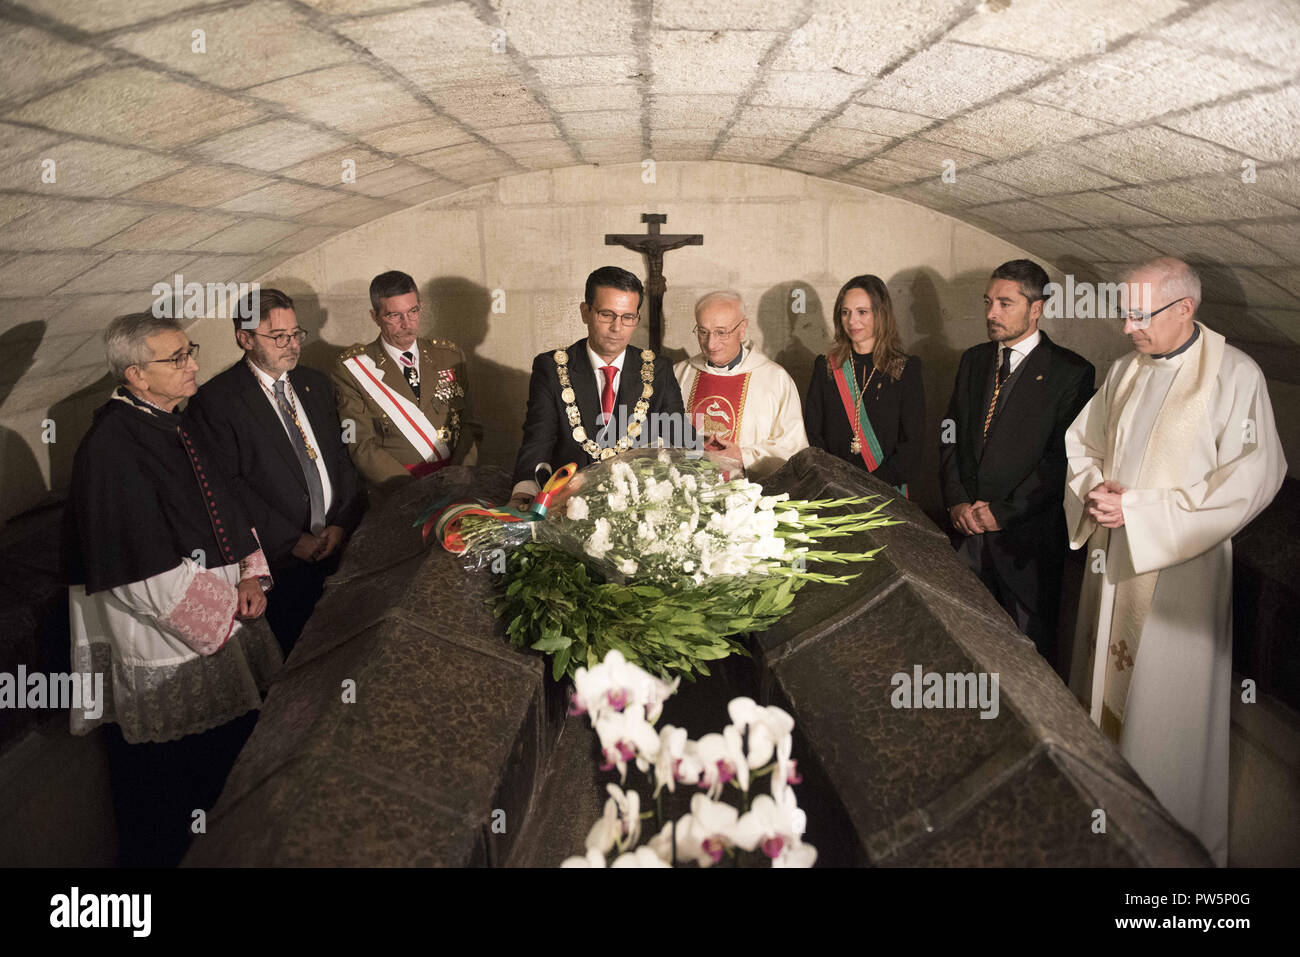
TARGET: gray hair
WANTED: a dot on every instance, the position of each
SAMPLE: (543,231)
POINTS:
(720,295)
(1177,279)
(124,340)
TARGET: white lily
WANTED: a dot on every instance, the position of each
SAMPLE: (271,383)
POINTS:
(768,727)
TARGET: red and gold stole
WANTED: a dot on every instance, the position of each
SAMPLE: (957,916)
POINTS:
(720,400)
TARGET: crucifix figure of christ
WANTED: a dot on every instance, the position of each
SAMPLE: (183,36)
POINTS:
(654,245)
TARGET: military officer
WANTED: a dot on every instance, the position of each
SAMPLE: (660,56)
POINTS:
(406,397)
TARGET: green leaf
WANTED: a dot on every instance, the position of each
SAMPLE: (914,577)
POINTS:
(553,643)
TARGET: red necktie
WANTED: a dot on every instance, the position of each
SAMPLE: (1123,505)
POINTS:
(607,394)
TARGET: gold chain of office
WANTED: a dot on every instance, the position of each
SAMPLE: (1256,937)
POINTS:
(569,398)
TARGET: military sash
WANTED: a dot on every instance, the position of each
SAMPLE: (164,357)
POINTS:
(718,402)
(856,412)
(404,413)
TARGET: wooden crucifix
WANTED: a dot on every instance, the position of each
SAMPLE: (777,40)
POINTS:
(653,245)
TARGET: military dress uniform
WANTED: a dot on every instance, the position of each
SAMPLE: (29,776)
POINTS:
(381,452)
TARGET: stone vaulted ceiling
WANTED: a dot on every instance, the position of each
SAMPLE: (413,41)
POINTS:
(1090,132)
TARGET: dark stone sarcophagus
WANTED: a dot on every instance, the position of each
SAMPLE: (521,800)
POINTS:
(455,750)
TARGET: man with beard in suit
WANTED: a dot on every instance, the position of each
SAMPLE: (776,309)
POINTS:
(594,399)
(274,426)
(1004,477)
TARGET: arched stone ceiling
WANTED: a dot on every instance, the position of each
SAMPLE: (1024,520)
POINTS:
(1091,132)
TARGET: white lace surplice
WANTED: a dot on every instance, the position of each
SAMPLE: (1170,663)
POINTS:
(174,659)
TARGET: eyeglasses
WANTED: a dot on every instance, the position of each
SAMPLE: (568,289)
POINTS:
(706,335)
(610,317)
(180,358)
(413,312)
(1141,320)
(281,339)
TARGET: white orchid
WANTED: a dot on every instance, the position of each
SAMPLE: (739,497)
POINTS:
(798,855)
(767,727)
(672,764)
(604,834)
(625,736)
(614,684)
(721,758)
(702,836)
(616,695)
(593,858)
(619,825)
(641,857)
(786,771)
(776,829)
(709,830)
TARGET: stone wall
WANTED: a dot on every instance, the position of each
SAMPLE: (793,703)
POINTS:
(785,240)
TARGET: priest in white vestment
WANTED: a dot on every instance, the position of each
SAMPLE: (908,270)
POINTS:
(1173,456)
(749,405)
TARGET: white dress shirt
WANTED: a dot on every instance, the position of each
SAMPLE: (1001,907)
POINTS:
(528,486)
(1020,351)
(268,390)
(396,354)
(597,362)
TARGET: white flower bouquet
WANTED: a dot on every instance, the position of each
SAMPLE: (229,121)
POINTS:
(658,555)
(624,703)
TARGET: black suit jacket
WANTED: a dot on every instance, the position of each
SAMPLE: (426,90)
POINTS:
(548,437)
(1020,468)
(238,423)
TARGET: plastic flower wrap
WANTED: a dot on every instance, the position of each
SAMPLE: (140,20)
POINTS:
(657,554)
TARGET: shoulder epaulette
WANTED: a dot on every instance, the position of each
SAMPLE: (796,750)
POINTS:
(444,344)
(353,350)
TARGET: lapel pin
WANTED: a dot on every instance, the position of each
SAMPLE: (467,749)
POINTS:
(1038,378)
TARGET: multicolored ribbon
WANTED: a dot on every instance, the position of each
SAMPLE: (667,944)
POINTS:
(444,519)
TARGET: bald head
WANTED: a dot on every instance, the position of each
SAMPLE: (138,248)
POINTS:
(720,325)
(1169,291)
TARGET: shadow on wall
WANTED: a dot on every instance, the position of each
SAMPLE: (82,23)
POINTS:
(1226,310)
(317,352)
(455,309)
(461,311)
(794,324)
(73,415)
(20,475)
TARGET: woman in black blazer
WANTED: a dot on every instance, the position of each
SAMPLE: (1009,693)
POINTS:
(882,431)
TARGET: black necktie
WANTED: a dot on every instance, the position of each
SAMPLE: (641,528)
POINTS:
(412,374)
(315,490)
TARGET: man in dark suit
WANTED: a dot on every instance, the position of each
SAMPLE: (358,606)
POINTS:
(599,396)
(274,427)
(1004,476)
